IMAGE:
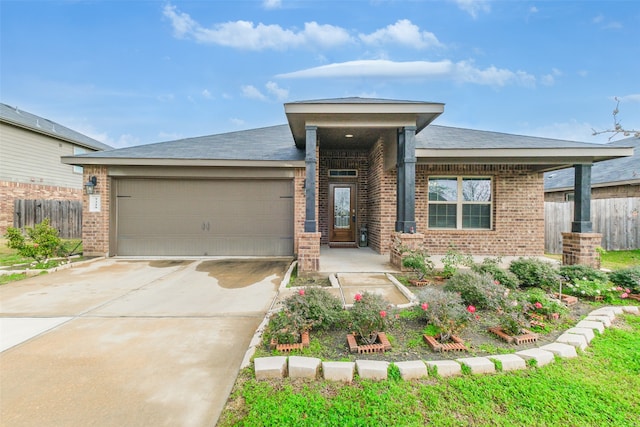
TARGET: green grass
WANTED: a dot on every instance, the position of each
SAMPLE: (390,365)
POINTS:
(7,278)
(616,260)
(598,388)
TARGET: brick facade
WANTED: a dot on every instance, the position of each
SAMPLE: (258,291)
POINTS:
(382,200)
(95,225)
(342,159)
(308,252)
(518,212)
(10,191)
(581,248)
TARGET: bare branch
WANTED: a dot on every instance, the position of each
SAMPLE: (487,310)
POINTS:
(617,126)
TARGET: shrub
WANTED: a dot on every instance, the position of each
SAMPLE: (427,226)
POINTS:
(284,327)
(368,316)
(452,260)
(40,242)
(513,321)
(491,266)
(535,300)
(444,310)
(628,278)
(577,271)
(535,272)
(479,290)
(418,261)
(591,288)
(316,308)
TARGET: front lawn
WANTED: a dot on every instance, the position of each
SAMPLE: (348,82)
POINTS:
(615,260)
(598,388)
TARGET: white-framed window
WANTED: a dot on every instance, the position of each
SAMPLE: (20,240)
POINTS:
(78,150)
(460,203)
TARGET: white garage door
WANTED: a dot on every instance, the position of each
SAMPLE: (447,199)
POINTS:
(204,217)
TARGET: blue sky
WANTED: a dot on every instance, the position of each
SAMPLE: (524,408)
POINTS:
(136,72)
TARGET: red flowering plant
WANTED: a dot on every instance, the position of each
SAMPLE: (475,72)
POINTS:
(445,311)
(369,315)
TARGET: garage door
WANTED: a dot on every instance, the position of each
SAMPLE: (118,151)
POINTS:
(204,217)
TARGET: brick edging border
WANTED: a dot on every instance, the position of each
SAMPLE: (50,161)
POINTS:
(565,346)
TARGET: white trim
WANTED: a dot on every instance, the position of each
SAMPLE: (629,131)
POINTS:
(460,202)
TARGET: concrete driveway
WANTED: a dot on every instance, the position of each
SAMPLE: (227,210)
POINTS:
(129,343)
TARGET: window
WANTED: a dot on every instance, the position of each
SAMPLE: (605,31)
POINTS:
(76,151)
(460,203)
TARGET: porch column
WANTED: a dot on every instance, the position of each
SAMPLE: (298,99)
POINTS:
(580,246)
(582,199)
(310,225)
(406,185)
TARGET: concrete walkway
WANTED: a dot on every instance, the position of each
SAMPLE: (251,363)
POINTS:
(129,343)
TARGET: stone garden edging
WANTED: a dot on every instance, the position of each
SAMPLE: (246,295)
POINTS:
(565,346)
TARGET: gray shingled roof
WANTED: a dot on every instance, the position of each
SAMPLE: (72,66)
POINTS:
(269,143)
(443,137)
(276,143)
(602,173)
(39,124)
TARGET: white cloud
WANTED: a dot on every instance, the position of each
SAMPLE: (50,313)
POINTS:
(168,136)
(252,92)
(272,4)
(598,19)
(463,71)
(473,7)
(237,122)
(635,97)
(206,94)
(550,79)
(279,92)
(572,130)
(247,35)
(533,9)
(402,32)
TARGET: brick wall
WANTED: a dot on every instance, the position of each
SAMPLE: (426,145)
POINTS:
(10,191)
(580,248)
(342,159)
(309,253)
(382,200)
(518,212)
(95,225)
(299,203)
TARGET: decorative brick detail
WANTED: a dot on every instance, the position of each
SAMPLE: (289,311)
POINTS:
(10,191)
(580,248)
(95,225)
(403,240)
(309,252)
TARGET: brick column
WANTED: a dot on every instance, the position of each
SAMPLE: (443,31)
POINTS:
(95,225)
(580,248)
(403,241)
(309,252)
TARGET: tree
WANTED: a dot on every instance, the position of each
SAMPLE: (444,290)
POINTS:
(617,126)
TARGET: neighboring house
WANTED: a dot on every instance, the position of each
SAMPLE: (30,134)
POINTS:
(30,166)
(339,165)
(609,179)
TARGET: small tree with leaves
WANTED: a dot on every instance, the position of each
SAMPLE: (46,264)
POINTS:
(40,242)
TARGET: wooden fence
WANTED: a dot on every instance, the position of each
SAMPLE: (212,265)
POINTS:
(65,215)
(618,220)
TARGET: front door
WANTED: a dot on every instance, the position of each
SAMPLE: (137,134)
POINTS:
(342,213)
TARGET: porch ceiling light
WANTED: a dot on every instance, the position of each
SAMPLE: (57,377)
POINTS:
(348,135)
(90,186)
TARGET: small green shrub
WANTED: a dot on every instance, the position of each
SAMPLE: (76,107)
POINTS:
(535,272)
(393,372)
(444,310)
(537,301)
(418,261)
(491,266)
(479,290)
(284,326)
(628,278)
(316,308)
(577,271)
(513,321)
(453,260)
(368,316)
(591,288)
(40,242)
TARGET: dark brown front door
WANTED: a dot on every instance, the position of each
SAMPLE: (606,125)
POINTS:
(342,213)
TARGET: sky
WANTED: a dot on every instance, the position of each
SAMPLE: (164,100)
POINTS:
(136,72)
